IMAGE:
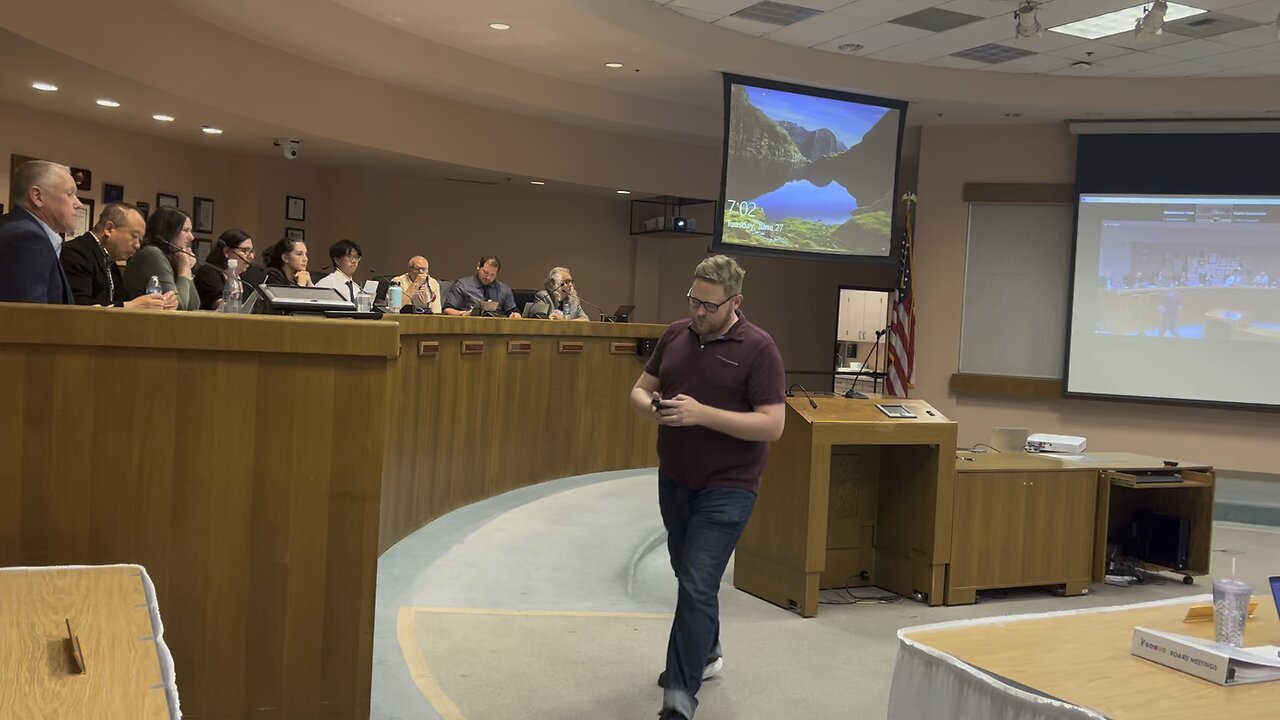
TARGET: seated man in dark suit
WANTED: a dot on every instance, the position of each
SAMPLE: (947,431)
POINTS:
(482,290)
(30,237)
(90,261)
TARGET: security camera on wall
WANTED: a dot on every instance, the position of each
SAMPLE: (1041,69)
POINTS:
(288,147)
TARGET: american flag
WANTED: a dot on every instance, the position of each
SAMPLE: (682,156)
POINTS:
(902,327)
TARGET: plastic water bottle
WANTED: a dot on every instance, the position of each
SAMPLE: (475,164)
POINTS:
(231,290)
(153,285)
(395,298)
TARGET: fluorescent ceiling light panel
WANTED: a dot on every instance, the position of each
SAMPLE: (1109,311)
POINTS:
(1120,21)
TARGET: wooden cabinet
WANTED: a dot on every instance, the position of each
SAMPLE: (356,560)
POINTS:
(1021,528)
(862,313)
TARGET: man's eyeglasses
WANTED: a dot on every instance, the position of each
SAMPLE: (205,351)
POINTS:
(709,307)
(352,257)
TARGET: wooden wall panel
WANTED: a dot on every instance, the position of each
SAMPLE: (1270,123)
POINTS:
(257,467)
(469,427)
(247,482)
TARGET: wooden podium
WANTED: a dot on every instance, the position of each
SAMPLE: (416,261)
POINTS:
(852,497)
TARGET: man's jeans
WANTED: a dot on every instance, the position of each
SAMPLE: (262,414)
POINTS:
(703,526)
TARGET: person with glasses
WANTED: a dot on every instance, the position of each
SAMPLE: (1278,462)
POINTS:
(482,290)
(345,256)
(561,296)
(211,275)
(715,386)
(420,289)
(287,263)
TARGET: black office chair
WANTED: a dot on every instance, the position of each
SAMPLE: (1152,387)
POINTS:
(522,297)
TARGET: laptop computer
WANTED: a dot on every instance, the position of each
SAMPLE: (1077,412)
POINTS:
(622,314)
(1275,591)
(536,310)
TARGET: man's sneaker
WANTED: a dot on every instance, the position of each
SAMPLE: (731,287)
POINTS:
(712,669)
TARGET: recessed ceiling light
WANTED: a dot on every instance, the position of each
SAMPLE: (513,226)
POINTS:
(614,65)
(210,130)
(162,117)
(45,87)
(624,192)
(500,26)
(536,182)
(1121,21)
(1082,65)
(108,103)
(850,47)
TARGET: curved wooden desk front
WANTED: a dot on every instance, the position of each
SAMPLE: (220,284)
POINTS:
(524,401)
(257,466)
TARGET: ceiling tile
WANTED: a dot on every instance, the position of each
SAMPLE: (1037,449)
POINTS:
(1137,61)
(883,10)
(912,52)
(820,29)
(1098,70)
(981,8)
(750,27)
(955,62)
(1235,59)
(823,5)
(1192,49)
(702,15)
(1033,64)
(878,37)
(1263,12)
(1145,42)
(1263,37)
(721,7)
(1091,51)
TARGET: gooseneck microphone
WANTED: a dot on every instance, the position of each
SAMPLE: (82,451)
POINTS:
(588,302)
(852,392)
(812,404)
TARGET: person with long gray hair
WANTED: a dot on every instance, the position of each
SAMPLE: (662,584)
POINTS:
(561,296)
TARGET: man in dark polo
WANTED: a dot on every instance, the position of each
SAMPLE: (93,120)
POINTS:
(481,289)
(715,386)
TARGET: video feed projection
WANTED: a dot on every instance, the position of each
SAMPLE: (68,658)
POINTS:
(809,171)
(1177,297)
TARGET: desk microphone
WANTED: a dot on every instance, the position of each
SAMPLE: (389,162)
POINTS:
(175,248)
(852,392)
(482,301)
(588,302)
(812,404)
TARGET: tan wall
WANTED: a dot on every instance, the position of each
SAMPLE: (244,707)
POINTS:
(953,156)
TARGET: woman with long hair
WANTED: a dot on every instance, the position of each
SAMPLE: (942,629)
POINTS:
(211,275)
(561,296)
(166,255)
(287,263)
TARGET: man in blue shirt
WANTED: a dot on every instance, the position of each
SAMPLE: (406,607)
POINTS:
(31,235)
(482,290)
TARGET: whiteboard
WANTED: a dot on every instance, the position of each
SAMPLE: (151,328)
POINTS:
(1016,289)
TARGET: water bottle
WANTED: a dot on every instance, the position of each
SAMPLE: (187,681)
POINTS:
(153,286)
(231,290)
(395,298)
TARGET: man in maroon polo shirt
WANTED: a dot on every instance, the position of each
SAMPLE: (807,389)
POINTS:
(715,386)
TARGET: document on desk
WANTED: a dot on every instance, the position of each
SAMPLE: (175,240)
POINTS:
(1212,661)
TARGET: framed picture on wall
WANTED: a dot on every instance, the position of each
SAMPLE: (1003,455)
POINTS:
(202,215)
(112,193)
(295,208)
(163,200)
(296,234)
(144,208)
(84,218)
(83,178)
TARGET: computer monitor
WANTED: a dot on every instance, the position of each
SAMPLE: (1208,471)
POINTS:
(291,299)
(536,310)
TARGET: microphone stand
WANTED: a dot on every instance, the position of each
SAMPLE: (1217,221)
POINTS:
(812,404)
(603,316)
(852,392)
